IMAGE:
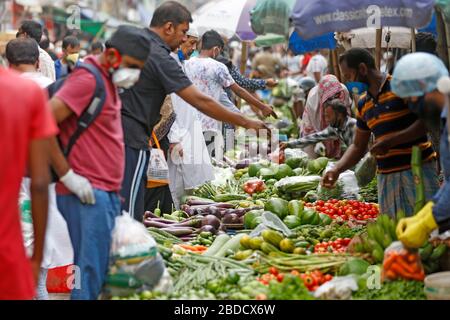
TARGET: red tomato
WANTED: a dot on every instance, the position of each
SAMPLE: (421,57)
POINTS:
(320,203)
(328,277)
(273,271)
(309,281)
(280,277)
(348,212)
(366,217)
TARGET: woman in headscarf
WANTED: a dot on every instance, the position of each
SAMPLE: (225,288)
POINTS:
(328,89)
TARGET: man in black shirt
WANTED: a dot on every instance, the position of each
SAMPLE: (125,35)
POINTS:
(142,103)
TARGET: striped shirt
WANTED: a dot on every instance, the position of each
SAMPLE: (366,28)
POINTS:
(385,116)
(344,134)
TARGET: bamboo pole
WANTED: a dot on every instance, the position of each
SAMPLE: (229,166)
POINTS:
(244,55)
(335,60)
(378,37)
(441,38)
(413,40)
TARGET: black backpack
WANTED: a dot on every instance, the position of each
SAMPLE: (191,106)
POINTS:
(91,112)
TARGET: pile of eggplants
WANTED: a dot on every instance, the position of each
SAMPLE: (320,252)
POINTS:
(203,215)
(226,212)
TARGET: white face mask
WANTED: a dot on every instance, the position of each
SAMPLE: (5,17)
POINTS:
(126,77)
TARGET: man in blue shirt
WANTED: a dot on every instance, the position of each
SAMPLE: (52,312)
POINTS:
(71,49)
(421,78)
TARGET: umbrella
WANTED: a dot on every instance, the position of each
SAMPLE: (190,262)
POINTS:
(228,17)
(298,45)
(316,17)
(272,17)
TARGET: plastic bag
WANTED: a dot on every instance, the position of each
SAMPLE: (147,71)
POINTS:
(340,288)
(272,221)
(222,176)
(158,170)
(346,186)
(295,153)
(27,226)
(135,262)
(401,263)
(366,170)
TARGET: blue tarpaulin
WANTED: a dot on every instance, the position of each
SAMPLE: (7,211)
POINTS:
(313,18)
(298,45)
(431,28)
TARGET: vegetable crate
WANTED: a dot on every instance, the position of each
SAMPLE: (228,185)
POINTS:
(57,279)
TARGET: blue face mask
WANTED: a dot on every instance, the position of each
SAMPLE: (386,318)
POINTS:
(357,87)
(181,55)
(195,54)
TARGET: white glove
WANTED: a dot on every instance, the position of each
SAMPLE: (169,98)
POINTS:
(320,149)
(80,186)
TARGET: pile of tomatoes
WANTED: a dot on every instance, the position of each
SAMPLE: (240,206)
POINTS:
(312,280)
(337,246)
(345,209)
(254,186)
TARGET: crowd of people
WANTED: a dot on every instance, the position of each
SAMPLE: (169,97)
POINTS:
(96,119)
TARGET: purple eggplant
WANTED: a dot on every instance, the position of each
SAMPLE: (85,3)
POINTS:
(215,212)
(242,164)
(184,207)
(152,223)
(199,202)
(166,221)
(179,231)
(149,214)
(208,228)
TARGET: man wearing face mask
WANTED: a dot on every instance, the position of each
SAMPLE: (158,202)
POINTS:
(396,130)
(91,177)
(340,127)
(212,77)
(424,76)
(71,51)
(162,75)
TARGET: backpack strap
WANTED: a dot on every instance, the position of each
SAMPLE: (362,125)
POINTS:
(93,110)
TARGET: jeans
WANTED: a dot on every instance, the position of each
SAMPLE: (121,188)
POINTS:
(90,229)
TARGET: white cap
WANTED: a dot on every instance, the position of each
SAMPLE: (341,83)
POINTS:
(193,32)
(443,85)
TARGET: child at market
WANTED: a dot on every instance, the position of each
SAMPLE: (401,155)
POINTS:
(340,127)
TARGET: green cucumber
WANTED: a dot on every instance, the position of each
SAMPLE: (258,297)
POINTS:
(438,252)
(233,245)
(218,244)
(229,197)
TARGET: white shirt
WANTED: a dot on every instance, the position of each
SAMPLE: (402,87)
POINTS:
(210,77)
(37,77)
(318,63)
(46,65)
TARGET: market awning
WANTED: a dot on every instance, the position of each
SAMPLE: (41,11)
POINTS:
(313,18)
(298,45)
(228,17)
